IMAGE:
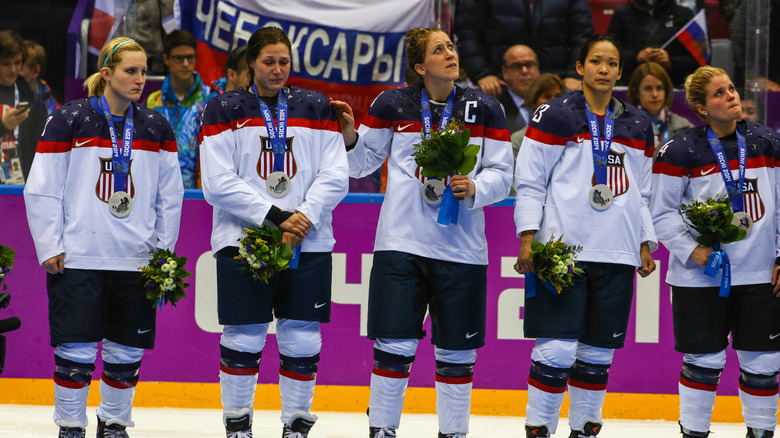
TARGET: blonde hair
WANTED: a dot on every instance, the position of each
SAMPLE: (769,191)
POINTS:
(110,56)
(695,84)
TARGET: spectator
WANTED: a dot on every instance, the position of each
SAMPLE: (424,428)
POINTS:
(153,21)
(546,87)
(650,88)
(749,110)
(20,125)
(739,34)
(32,70)
(181,101)
(520,68)
(236,72)
(554,29)
(643,26)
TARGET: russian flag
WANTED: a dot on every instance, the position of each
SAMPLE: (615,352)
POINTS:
(693,36)
(106,17)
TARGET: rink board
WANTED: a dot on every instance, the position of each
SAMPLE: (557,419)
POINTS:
(187,350)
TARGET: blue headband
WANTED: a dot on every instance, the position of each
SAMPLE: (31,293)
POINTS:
(114,51)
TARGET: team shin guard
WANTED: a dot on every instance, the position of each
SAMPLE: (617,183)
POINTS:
(238,380)
(759,396)
(297,376)
(546,388)
(71,388)
(389,379)
(697,387)
(453,396)
(117,389)
(587,389)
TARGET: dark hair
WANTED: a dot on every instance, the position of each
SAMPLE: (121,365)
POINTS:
(650,69)
(543,83)
(265,36)
(595,39)
(416,42)
(178,38)
(236,60)
(11,45)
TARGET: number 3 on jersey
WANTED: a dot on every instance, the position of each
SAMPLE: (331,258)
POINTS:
(539,111)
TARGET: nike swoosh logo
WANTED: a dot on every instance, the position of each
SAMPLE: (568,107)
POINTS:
(617,335)
(580,139)
(318,305)
(241,124)
(471,335)
(773,336)
(707,172)
(82,143)
(401,128)
(140,332)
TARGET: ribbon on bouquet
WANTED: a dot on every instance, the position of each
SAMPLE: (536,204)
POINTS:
(530,285)
(448,209)
(293,263)
(719,259)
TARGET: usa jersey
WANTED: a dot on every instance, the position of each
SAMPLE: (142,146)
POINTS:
(237,157)
(406,222)
(72,179)
(555,172)
(685,170)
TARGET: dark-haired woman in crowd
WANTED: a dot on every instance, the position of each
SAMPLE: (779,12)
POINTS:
(105,166)
(651,89)
(583,173)
(272,154)
(420,265)
(738,159)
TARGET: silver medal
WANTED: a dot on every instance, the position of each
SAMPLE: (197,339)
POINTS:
(600,197)
(743,221)
(278,184)
(432,191)
(120,204)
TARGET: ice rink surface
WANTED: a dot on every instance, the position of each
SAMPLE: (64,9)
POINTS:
(18,421)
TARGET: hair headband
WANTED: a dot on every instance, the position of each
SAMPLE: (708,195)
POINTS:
(105,61)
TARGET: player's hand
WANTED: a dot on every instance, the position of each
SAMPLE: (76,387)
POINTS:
(524,263)
(462,186)
(701,255)
(648,264)
(297,224)
(55,265)
(15,117)
(491,85)
(291,239)
(346,119)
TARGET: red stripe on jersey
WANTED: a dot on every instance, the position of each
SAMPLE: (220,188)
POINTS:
(146,145)
(209,130)
(239,371)
(117,385)
(169,146)
(389,374)
(454,380)
(297,376)
(544,137)
(588,386)
(757,392)
(375,122)
(325,125)
(496,134)
(69,384)
(52,147)
(542,387)
(634,143)
(697,385)
(751,163)
(669,169)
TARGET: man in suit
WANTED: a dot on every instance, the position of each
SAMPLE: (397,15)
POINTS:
(520,68)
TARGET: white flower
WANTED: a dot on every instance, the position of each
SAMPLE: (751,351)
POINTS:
(165,267)
(168,282)
(170,260)
(172,263)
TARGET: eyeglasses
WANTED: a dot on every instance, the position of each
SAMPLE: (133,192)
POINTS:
(179,59)
(519,66)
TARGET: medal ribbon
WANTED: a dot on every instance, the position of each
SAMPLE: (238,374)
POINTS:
(278,138)
(530,285)
(448,210)
(600,150)
(121,156)
(719,259)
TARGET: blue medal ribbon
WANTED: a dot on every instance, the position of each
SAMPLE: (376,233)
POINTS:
(719,258)
(121,156)
(530,285)
(601,150)
(278,139)
(448,210)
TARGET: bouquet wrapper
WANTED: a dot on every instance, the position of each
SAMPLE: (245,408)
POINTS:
(293,264)
(530,285)
(720,259)
(448,210)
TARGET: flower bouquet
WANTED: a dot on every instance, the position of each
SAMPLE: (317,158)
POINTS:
(445,153)
(263,252)
(7,256)
(554,263)
(164,275)
(713,220)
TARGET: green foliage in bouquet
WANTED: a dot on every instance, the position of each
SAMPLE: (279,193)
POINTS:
(447,152)
(7,256)
(164,275)
(263,252)
(554,262)
(712,220)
